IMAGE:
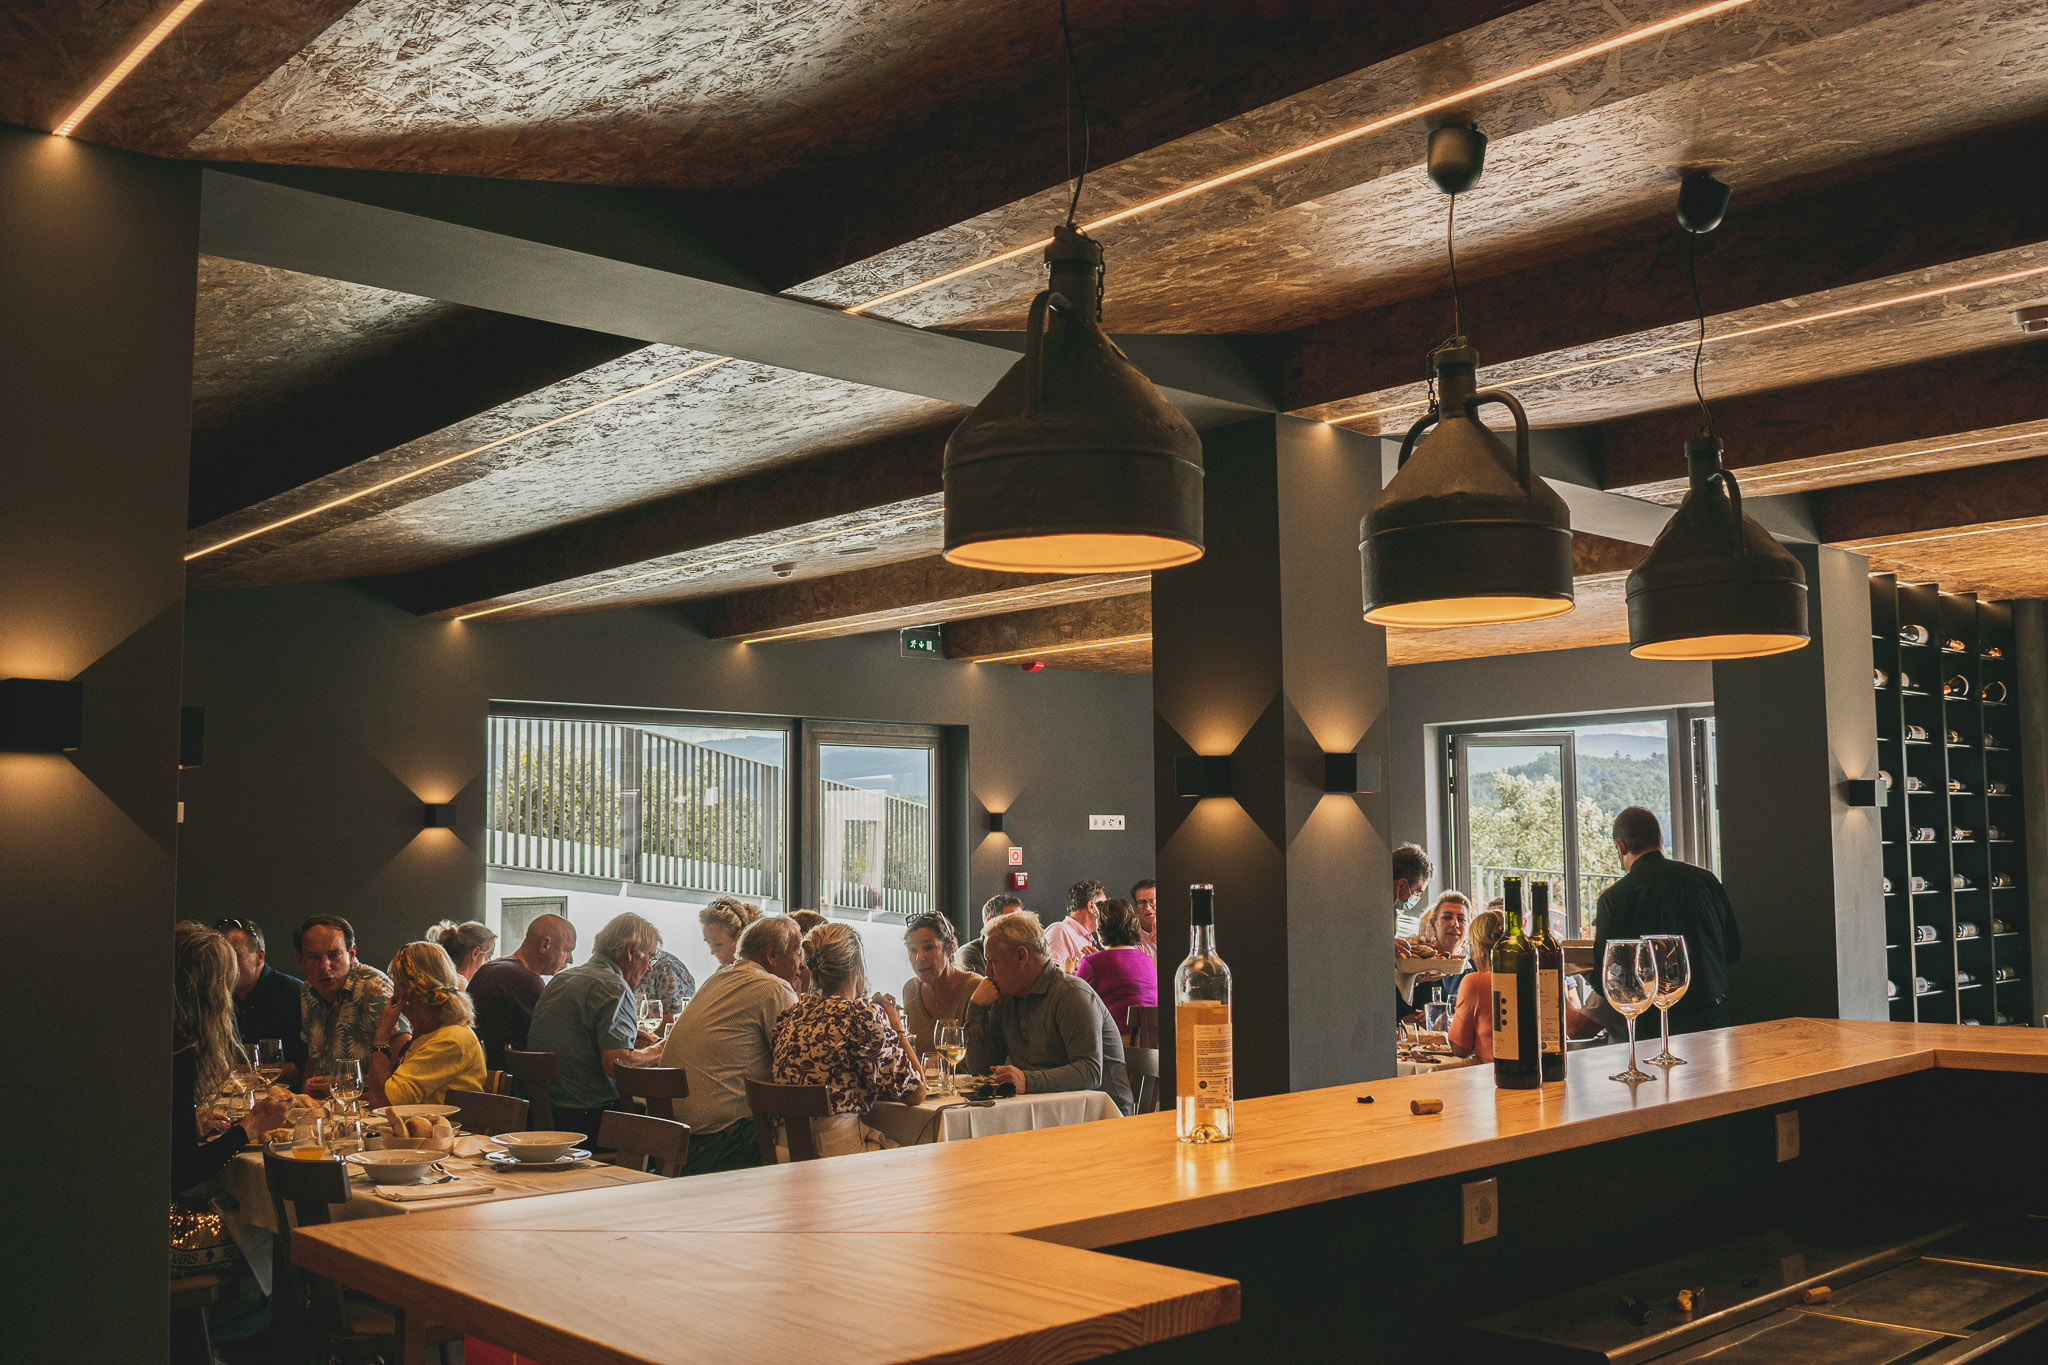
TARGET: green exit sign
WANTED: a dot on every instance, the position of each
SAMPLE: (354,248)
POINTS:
(923,640)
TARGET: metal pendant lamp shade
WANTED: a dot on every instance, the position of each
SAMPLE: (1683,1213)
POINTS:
(1465,534)
(1715,585)
(1074,463)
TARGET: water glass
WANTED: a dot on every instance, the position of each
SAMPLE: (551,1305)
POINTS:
(1674,974)
(1629,978)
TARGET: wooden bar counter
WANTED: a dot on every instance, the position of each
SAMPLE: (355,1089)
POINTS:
(990,1249)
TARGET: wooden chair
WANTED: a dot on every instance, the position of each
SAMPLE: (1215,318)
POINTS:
(635,1138)
(659,1086)
(533,1071)
(497,1083)
(771,1103)
(485,1114)
(310,1317)
(1141,1026)
(191,1298)
(1142,1065)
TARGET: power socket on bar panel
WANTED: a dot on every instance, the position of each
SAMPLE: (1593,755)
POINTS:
(1105,822)
(1481,1212)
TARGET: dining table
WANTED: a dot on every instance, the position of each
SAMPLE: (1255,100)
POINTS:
(952,1118)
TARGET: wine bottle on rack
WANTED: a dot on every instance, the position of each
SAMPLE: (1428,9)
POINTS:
(1517,1045)
(1549,982)
(1203,1111)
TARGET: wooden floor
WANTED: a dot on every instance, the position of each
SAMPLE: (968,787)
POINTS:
(980,1250)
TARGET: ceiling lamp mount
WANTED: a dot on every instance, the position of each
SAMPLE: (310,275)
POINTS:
(1715,585)
(1464,534)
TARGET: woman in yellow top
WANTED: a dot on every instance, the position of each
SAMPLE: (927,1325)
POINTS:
(444,1053)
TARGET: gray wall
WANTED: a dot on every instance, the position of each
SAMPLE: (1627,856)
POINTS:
(1512,687)
(330,717)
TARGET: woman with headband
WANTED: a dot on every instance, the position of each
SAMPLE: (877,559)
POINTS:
(444,1053)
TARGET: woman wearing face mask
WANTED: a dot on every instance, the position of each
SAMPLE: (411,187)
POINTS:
(1412,871)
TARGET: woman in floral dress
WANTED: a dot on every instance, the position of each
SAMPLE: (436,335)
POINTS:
(853,1046)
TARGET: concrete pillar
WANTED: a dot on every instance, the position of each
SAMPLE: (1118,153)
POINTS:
(98,263)
(1804,869)
(1261,652)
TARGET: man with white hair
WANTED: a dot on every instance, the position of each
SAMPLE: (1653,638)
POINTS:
(1036,1027)
(589,1018)
(724,1036)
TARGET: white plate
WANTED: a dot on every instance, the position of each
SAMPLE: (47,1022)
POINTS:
(421,1111)
(513,1163)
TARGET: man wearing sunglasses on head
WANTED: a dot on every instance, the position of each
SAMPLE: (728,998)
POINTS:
(266,1000)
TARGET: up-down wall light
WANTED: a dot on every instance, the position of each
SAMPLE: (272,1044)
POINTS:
(1202,775)
(41,715)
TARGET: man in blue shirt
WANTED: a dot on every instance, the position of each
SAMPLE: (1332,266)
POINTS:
(589,1018)
(266,1000)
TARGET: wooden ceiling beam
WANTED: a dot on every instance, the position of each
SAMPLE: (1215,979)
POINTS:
(1894,513)
(1052,632)
(1779,242)
(838,484)
(890,596)
(1840,422)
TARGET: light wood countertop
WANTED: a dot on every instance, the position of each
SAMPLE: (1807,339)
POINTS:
(979,1250)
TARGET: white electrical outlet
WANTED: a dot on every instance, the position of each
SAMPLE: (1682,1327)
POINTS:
(1105,822)
(1788,1135)
(1482,1210)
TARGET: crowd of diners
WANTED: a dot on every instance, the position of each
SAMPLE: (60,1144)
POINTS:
(1656,894)
(1043,1009)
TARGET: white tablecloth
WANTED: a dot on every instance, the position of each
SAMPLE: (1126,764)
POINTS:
(1406,1068)
(945,1119)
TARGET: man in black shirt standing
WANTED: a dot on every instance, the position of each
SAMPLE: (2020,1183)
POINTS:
(1661,895)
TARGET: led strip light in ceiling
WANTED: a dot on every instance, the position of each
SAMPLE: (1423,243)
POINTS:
(2032,524)
(1754,479)
(922,612)
(1828,316)
(697,564)
(124,66)
(1062,649)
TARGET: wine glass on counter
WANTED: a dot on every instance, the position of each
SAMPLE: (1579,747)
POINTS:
(949,1040)
(1629,976)
(1674,974)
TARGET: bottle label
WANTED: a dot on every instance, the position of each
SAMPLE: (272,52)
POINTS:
(1550,1012)
(1507,1018)
(1212,1063)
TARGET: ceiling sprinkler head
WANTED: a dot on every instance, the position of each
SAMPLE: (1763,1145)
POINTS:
(2034,319)
(784,569)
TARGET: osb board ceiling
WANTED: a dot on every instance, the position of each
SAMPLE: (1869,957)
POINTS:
(260,333)
(2001,560)
(1615,378)
(878,535)
(685,431)
(1991,445)
(1600,618)
(1577,153)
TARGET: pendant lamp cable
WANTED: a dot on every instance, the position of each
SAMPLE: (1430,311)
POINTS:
(1076,103)
(1692,268)
(1451,251)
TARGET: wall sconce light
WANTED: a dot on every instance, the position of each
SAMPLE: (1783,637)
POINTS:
(41,715)
(1350,774)
(995,821)
(1866,792)
(1202,775)
(438,816)
(191,736)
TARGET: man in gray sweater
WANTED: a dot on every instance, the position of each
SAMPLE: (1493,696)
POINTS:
(1036,1027)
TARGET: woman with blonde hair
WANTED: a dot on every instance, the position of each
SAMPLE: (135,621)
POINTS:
(204,1053)
(469,945)
(444,1053)
(724,920)
(1472,1021)
(853,1046)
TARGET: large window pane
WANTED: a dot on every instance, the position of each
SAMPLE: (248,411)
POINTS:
(1514,814)
(711,809)
(875,832)
(1619,765)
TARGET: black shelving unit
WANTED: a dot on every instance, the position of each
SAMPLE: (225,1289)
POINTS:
(1954,845)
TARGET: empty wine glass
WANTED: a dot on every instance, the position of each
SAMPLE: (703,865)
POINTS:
(1629,976)
(1674,974)
(949,1040)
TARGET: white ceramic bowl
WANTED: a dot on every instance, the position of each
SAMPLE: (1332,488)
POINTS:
(394,1166)
(538,1146)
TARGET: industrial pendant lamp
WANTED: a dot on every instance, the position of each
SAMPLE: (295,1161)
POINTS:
(1464,534)
(1715,585)
(1074,463)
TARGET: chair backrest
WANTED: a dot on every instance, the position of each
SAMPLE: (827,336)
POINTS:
(660,1086)
(1143,1065)
(485,1114)
(637,1137)
(303,1192)
(533,1071)
(1141,1026)
(497,1083)
(771,1103)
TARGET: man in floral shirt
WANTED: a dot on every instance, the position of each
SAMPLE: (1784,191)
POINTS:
(342,999)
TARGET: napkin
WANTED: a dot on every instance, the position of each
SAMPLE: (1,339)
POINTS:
(470,1145)
(453,1189)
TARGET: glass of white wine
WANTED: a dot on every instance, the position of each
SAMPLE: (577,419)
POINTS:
(345,1080)
(651,1017)
(949,1040)
(269,1056)
(1629,976)
(1674,974)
